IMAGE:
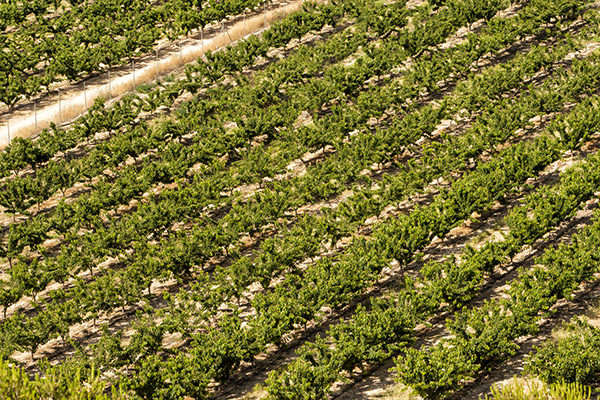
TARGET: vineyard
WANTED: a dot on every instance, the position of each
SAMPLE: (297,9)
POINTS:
(353,199)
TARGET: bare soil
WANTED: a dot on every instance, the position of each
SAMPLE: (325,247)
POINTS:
(65,102)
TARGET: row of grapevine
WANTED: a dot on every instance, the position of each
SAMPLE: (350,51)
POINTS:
(386,325)
(571,356)
(34,152)
(556,275)
(259,326)
(191,237)
(89,37)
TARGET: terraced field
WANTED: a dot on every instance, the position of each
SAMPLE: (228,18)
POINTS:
(365,200)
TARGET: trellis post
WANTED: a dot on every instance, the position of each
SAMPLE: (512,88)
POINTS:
(59,109)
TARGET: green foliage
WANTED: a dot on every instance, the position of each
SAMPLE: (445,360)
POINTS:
(246,133)
(56,383)
(519,389)
(572,357)
(89,36)
(486,335)
(434,374)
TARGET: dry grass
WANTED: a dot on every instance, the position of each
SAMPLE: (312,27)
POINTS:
(257,393)
(396,392)
(534,389)
(593,316)
(75,105)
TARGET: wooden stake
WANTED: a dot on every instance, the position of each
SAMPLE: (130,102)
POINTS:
(230,39)
(222,36)
(59,109)
(35,116)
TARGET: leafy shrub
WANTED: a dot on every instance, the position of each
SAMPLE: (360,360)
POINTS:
(57,383)
(574,357)
(520,389)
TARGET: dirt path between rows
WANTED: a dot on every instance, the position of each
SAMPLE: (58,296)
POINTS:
(584,298)
(313,208)
(379,382)
(242,385)
(72,101)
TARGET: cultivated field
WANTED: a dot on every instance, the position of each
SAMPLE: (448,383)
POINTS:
(353,199)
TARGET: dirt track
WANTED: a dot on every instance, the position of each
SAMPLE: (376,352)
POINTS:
(67,102)
(378,380)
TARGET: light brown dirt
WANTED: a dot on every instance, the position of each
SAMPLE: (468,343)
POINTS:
(70,101)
